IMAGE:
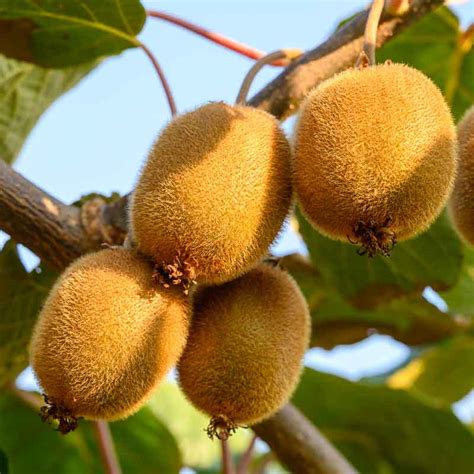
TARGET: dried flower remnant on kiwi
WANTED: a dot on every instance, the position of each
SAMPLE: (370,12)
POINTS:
(179,273)
(373,238)
(221,427)
(53,411)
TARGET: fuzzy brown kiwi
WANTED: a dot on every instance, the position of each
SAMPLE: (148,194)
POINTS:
(462,199)
(243,357)
(106,336)
(375,155)
(213,194)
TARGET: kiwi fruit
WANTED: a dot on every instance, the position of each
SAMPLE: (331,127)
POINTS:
(213,194)
(107,334)
(243,357)
(375,156)
(462,200)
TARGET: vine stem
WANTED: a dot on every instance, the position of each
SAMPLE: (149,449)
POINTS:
(216,38)
(263,462)
(227,463)
(367,57)
(107,448)
(164,81)
(30,398)
(286,55)
(244,464)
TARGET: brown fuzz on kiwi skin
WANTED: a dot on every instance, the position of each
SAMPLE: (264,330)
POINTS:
(461,206)
(375,156)
(213,194)
(106,336)
(243,357)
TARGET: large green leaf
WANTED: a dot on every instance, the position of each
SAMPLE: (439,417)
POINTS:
(432,259)
(436,46)
(143,444)
(58,33)
(410,319)
(413,438)
(460,298)
(33,446)
(442,374)
(188,424)
(26,91)
(21,295)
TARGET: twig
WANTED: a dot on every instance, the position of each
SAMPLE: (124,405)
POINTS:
(216,38)
(30,398)
(227,463)
(164,81)
(281,54)
(281,97)
(246,459)
(370,35)
(51,229)
(397,7)
(299,445)
(107,448)
(263,462)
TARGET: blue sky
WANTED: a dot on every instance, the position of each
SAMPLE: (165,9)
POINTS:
(95,138)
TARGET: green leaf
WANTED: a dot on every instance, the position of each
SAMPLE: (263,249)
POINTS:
(21,295)
(26,91)
(460,298)
(188,424)
(432,259)
(441,375)
(436,46)
(58,33)
(411,319)
(33,446)
(413,438)
(144,445)
(362,455)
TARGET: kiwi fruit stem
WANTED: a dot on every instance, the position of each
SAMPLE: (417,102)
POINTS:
(227,462)
(367,56)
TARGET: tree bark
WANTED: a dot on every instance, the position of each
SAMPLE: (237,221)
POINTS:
(35,219)
(282,96)
(299,444)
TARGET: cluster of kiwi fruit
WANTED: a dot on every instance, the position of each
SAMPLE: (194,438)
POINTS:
(210,200)
(374,160)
